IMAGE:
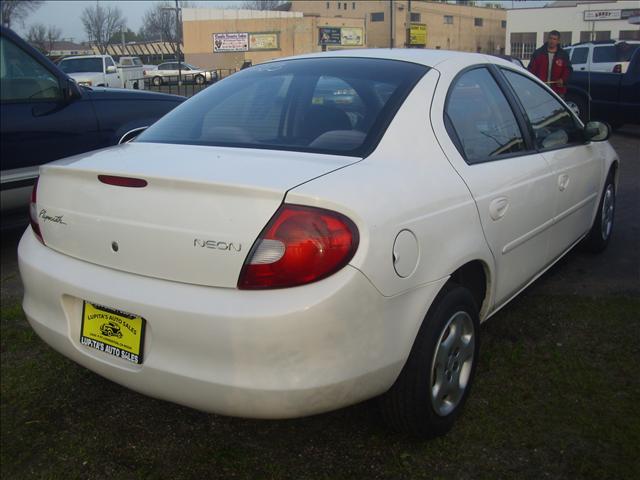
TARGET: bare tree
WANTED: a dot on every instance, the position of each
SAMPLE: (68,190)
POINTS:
(262,4)
(13,11)
(43,38)
(101,23)
(159,23)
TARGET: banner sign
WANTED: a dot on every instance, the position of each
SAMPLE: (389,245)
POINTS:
(329,36)
(230,42)
(591,15)
(263,41)
(351,36)
(418,34)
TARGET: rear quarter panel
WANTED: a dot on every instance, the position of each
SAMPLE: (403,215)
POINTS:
(406,183)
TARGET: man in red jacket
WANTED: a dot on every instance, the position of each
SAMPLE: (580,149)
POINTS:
(550,63)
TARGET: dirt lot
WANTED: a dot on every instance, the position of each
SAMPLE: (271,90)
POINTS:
(556,394)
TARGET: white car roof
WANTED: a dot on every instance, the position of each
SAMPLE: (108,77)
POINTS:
(85,56)
(428,57)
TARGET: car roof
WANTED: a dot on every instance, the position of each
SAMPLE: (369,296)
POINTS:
(423,56)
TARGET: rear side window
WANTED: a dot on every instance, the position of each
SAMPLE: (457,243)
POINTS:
(481,118)
(81,65)
(552,124)
(339,106)
(604,54)
(108,62)
(579,55)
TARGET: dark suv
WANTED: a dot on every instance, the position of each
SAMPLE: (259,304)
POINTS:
(45,116)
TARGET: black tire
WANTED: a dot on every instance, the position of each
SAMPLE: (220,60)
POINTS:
(199,79)
(408,406)
(600,234)
(582,105)
(157,81)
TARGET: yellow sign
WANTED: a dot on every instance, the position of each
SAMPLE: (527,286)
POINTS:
(351,36)
(418,34)
(263,41)
(114,332)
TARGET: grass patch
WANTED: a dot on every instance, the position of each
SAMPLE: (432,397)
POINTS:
(556,396)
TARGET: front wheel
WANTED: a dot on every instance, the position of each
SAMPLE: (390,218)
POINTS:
(600,234)
(157,81)
(433,386)
(199,79)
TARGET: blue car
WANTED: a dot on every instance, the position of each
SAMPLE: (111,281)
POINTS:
(45,116)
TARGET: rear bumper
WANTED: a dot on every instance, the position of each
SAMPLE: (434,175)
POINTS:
(267,354)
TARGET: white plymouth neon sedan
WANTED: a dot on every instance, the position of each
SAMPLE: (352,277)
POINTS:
(315,231)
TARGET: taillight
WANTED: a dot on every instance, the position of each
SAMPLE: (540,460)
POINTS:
(123,181)
(33,212)
(299,245)
(617,68)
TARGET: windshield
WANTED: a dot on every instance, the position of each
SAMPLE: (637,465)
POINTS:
(338,106)
(81,65)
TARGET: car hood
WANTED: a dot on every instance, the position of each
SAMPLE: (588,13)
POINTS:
(101,93)
(93,77)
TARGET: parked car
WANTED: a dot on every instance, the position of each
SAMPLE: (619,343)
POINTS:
(602,56)
(168,73)
(92,70)
(603,96)
(47,116)
(290,258)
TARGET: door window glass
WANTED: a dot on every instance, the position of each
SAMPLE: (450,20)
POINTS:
(579,55)
(553,126)
(482,118)
(604,54)
(108,62)
(22,78)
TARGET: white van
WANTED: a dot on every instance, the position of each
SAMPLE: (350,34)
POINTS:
(602,56)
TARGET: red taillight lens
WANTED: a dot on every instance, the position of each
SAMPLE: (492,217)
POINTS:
(299,245)
(123,181)
(33,212)
(617,68)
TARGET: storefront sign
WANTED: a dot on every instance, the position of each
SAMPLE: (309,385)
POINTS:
(263,41)
(351,36)
(230,42)
(329,36)
(418,34)
(591,15)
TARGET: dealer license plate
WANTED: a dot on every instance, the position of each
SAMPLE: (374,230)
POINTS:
(117,333)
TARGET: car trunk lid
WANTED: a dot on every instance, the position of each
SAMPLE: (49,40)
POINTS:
(194,221)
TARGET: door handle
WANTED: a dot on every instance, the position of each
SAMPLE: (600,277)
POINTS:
(498,207)
(563,181)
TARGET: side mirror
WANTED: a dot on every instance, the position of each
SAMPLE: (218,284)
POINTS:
(71,91)
(596,131)
(111,69)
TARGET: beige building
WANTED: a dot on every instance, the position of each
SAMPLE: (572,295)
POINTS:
(446,26)
(217,38)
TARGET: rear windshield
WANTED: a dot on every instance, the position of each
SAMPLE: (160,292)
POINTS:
(338,106)
(81,65)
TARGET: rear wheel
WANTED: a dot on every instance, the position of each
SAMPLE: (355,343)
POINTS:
(433,386)
(157,81)
(199,79)
(600,234)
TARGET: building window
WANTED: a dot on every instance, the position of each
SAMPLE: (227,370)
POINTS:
(338,5)
(415,17)
(503,24)
(565,38)
(345,5)
(523,45)
(448,19)
(377,17)
(353,5)
(629,35)
(477,22)
(327,5)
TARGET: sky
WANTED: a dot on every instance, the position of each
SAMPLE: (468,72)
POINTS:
(66,14)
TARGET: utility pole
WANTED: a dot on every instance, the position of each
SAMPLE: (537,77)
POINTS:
(390,23)
(178,45)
